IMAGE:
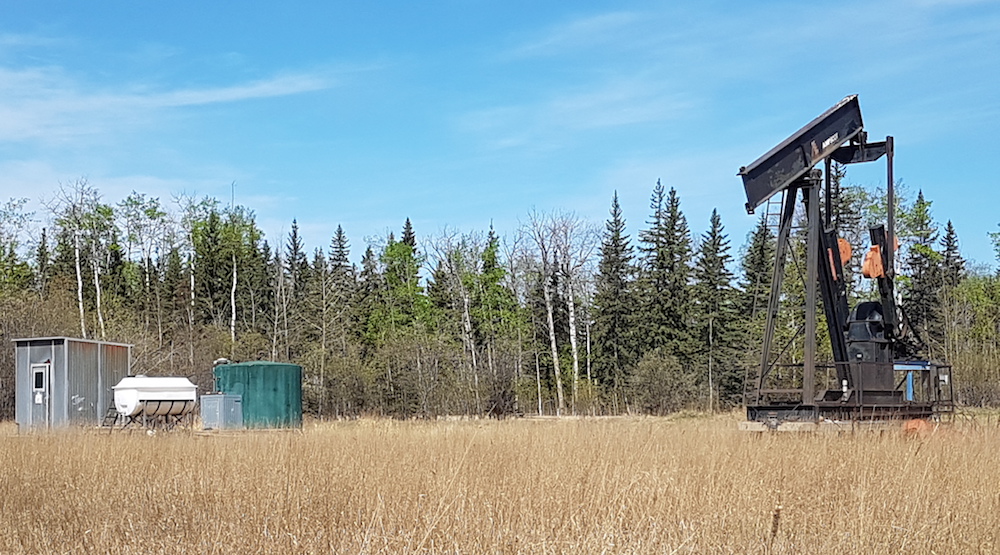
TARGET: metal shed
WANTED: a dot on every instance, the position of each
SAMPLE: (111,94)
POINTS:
(62,381)
(271,391)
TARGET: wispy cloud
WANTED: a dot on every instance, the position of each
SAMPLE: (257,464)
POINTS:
(283,85)
(616,102)
(26,178)
(950,3)
(49,104)
(22,40)
(576,33)
(663,58)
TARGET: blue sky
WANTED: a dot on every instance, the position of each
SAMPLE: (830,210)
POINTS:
(459,114)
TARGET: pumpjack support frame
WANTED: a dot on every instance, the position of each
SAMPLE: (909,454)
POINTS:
(876,373)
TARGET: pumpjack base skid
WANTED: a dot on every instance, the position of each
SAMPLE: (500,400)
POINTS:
(837,426)
(776,416)
(886,392)
(829,411)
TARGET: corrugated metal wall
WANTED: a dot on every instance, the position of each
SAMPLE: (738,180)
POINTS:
(272,392)
(115,365)
(82,374)
(22,384)
(22,402)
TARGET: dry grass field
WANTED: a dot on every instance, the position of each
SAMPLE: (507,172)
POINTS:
(642,485)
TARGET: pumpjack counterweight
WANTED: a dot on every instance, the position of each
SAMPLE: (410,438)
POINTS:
(877,372)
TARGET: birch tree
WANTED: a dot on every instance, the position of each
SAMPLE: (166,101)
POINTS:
(73,209)
(540,231)
(574,241)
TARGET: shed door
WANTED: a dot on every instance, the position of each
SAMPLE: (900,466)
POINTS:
(41,377)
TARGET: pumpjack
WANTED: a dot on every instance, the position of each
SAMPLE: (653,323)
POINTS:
(878,373)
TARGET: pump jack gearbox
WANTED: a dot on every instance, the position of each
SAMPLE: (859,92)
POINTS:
(877,373)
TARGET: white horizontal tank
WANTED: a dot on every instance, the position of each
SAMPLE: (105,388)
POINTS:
(155,396)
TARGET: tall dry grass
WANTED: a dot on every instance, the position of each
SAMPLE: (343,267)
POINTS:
(525,486)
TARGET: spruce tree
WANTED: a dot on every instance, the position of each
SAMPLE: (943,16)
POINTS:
(296,262)
(497,326)
(409,237)
(717,312)
(757,266)
(495,309)
(343,283)
(174,292)
(953,275)
(952,263)
(211,268)
(666,273)
(437,288)
(43,265)
(614,305)
(921,298)
(848,204)
(257,287)
(406,298)
(652,311)
(369,296)
(393,301)
(340,252)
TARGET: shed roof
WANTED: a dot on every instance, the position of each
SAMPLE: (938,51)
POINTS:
(74,339)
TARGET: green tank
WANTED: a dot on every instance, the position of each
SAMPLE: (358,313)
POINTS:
(272,392)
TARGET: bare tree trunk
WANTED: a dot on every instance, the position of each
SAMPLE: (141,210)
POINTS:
(470,343)
(538,382)
(146,270)
(549,310)
(490,349)
(190,311)
(97,290)
(542,233)
(424,409)
(324,327)
(574,349)
(159,319)
(279,294)
(79,283)
(322,361)
(157,297)
(573,243)
(232,313)
(518,369)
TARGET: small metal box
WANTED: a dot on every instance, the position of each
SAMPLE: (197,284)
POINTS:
(222,412)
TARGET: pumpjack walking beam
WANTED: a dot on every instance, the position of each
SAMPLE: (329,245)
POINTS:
(781,166)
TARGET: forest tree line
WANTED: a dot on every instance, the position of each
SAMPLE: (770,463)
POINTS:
(561,316)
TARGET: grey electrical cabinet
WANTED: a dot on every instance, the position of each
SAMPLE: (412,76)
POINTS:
(222,412)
